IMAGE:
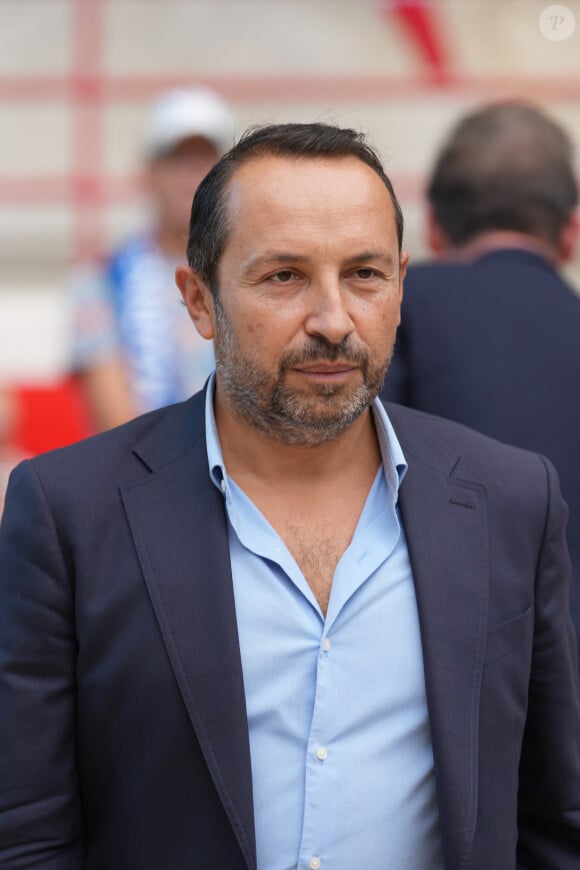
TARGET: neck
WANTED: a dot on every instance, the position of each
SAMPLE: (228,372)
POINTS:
(497,240)
(249,452)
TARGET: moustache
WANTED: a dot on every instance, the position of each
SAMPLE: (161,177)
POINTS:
(320,349)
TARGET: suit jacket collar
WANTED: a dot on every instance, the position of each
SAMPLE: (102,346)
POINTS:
(517,256)
(178,522)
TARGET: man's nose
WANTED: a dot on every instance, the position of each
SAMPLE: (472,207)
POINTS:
(328,313)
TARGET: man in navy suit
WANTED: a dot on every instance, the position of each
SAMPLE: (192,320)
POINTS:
(490,332)
(281,625)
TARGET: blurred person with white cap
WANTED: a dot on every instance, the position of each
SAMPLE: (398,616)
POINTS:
(131,345)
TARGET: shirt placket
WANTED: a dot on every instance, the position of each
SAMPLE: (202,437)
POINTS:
(318,758)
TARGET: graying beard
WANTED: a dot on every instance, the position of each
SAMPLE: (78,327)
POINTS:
(285,419)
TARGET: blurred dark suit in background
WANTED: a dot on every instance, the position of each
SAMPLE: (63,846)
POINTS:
(490,332)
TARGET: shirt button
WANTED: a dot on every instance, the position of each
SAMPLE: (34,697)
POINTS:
(315,863)
(322,755)
(223,485)
(326,644)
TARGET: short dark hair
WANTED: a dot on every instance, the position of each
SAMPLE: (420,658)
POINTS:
(506,166)
(209,224)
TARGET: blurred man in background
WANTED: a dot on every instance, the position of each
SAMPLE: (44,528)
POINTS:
(132,346)
(490,332)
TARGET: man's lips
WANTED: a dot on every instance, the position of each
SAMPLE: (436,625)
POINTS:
(326,368)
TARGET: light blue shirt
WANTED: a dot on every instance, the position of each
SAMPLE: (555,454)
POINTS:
(342,763)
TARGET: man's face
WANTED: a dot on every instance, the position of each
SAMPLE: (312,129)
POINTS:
(174,178)
(310,286)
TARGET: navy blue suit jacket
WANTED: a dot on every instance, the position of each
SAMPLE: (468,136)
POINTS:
(123,727)
(495,344)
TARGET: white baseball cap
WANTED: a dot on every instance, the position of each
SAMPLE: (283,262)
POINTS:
(184,113)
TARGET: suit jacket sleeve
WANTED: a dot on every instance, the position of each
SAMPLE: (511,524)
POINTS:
(549,787)
(40,813)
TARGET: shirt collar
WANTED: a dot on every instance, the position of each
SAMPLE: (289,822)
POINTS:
(217,470)
(393,459)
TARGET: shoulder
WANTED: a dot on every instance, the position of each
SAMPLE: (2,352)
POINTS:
(463,452)
(129,255)
(435,281)
(432,271)
(99,465)
(519,489)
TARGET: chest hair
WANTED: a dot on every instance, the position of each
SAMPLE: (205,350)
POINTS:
(317,549)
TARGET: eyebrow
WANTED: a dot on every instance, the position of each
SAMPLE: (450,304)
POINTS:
(372,255)
(285,257)
(261,261)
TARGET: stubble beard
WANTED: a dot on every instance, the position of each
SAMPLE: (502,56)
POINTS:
(269,404)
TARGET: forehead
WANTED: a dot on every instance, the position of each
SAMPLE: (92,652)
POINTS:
(269,193)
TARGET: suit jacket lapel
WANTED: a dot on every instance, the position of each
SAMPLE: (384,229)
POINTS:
(178,523)
(445,523)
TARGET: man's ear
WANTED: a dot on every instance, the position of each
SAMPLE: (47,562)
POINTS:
(569,238)
(403,262)
(437,241)
(198,300)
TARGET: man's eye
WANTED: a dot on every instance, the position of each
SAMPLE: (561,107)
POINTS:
(282,277)
(365,274)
